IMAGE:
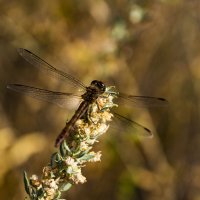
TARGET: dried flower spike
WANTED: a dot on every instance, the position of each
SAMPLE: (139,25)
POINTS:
(65,167)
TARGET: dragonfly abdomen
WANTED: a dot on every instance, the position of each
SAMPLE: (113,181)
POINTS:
(82,109)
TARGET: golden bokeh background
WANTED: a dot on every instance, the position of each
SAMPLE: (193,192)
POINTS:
(142,47)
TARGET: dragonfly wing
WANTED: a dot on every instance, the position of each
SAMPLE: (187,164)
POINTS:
(49,69)
(142,101)
(124,124)
(64,100)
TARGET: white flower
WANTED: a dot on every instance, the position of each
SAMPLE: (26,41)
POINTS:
(78,178)
(103,128)
(87,130)
(34,177)
(70,161)
(47,171)
(83,146)
(81,178)
(107,116)
(97,157)
(50,193)
(35,182)
(79,122)
(53,184)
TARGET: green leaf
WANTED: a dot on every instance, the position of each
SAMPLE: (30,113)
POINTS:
(58,195)
(64,148)
(52,175)
(58,158)
(86,157)
(65,186)
(40,193)
(53,159)
(80,154)
(26,184)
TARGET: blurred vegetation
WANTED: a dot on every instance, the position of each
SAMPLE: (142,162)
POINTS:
(144,47)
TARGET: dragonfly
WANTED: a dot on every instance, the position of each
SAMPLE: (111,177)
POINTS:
(90,95)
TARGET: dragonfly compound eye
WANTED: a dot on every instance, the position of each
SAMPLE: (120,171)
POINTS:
(102,86)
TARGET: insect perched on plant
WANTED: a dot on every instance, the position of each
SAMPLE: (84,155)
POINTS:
(92,93)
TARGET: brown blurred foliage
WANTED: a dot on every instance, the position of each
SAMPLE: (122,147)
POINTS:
(143,47)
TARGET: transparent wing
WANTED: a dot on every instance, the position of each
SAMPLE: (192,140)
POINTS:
(142,101)
(64,100)
(49,69)
(124,124)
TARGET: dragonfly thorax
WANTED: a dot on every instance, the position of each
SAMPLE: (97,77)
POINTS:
(95,89)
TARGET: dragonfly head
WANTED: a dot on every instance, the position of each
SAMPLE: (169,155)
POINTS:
(98,85)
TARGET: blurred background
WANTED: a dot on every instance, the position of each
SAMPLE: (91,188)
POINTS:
(143,48)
